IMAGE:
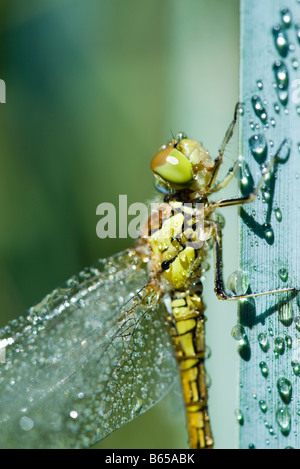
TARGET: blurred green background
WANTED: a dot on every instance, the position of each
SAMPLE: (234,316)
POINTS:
(93,88)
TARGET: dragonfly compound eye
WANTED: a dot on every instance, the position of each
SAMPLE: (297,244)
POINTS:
(173,167)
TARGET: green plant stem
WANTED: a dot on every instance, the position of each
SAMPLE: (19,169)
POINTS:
(269,251)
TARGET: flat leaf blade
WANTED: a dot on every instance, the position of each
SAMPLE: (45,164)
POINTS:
(270,237)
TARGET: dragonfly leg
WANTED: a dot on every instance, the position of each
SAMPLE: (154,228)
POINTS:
(250,197)
(226,180)
(219,284)
(218,160)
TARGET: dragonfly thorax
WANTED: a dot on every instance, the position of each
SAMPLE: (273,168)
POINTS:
(177,241)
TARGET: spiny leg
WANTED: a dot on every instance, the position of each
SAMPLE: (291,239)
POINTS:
(250,197)
(219,284)
(218,160)
(220,185)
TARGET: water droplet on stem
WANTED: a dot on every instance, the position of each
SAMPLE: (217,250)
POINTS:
(237,283)
(283,418)
(284,387)
(258,147)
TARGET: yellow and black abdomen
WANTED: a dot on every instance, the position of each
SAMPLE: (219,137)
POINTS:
(189,340)
(176,264)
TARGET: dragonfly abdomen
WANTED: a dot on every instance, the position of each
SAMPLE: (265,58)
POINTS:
(189,340)
(176,268)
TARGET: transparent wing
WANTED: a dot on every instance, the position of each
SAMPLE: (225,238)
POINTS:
(90,357)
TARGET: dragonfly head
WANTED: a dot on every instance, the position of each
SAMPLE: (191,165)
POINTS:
(182,163)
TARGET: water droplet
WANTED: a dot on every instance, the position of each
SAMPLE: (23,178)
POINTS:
(276,108)
(280,40)
(295,63)
(264,369)
(283,418)
(241,109)
(263,341)
(278,214)
(207,352)
(279,346)
(297,322)
(238,332)
(269,233)
(297,28)
(239,416)
(284,151)
(136,407)
(258,147)
(26,423)
(245,178)
(282,81)
(283,96)
(73,414)
(288,341)
(283,274)
(237,283)
(286,17)
(296,367)
(219,218)
(263,406)
(284,387)
(281,74)
(269,427)
(266,194)
(259,84)
(258,108)
(286,314)
(251,446)
(291,47)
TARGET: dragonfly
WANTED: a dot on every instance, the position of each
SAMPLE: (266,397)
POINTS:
(108,344)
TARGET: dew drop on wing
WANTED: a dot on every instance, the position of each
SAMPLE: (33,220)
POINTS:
(86,359)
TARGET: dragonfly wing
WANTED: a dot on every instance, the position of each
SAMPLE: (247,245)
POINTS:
(89,358)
